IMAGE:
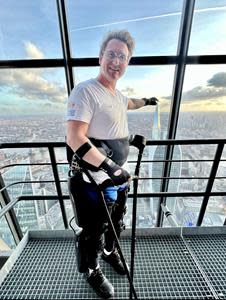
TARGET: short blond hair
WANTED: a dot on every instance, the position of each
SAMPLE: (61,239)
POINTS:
(121,35)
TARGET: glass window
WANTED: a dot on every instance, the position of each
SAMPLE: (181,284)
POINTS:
(7,241)
(208,30)
(220,180)
(34,168)
(202,116)
(203,105)
(29,30)
(33,105)
(39,214)
(185,211)
(215,212)
(146,213)
(154,26)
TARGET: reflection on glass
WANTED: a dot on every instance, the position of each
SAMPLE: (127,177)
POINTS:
(154,26)
(30,33)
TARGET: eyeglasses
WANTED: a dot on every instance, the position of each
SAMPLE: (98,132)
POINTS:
(112,55)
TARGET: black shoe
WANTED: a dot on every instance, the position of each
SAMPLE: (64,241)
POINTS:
(100,283)
(115,261)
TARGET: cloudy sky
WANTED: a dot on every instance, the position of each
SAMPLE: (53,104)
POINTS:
(33,32)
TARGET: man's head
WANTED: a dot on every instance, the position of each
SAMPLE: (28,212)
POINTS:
(115,53)
(121,35)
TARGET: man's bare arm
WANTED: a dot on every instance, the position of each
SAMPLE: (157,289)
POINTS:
(77,136)
(134,103)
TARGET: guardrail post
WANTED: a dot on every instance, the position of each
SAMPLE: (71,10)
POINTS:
(57,183)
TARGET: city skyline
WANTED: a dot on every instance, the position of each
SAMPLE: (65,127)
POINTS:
(185,210)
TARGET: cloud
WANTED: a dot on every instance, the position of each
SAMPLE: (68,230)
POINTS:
(215,88)
(32,51)
(204,93)
(128,91)
(32,84)
(37,87)
(218,80)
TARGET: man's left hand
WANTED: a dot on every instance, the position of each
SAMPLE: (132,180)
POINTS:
(150,101)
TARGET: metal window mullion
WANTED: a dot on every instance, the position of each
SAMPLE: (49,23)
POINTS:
(206,59)
(93,61)
(183,43)
(65,44)
(31,63)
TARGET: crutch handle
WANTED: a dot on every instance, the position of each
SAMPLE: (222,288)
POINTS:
(138,141)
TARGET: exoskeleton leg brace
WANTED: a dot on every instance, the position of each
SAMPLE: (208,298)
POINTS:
(91,217)
(118,210)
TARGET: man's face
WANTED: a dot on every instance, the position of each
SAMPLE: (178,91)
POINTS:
(114,60)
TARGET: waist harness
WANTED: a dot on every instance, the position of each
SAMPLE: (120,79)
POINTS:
(117,149)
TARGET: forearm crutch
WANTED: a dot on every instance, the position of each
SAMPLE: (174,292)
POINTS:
(132,289)
(139,142)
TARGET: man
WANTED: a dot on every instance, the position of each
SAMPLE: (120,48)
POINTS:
(97,139)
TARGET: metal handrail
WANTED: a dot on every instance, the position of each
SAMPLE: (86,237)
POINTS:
(149,143)
(52,145)
(31,181)
(12,203)
(31,164)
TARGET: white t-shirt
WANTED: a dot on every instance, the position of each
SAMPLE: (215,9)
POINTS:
(105,113)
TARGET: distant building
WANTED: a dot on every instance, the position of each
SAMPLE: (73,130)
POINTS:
(157,154)
(25,210)
(31,214)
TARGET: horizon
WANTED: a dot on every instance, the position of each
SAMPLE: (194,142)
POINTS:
(38,114)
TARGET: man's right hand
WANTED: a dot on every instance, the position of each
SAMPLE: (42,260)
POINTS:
(117,174)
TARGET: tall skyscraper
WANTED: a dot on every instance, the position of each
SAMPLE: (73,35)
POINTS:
(156,155)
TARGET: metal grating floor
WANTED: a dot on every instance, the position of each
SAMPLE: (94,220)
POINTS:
(211,255)
(166,267)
